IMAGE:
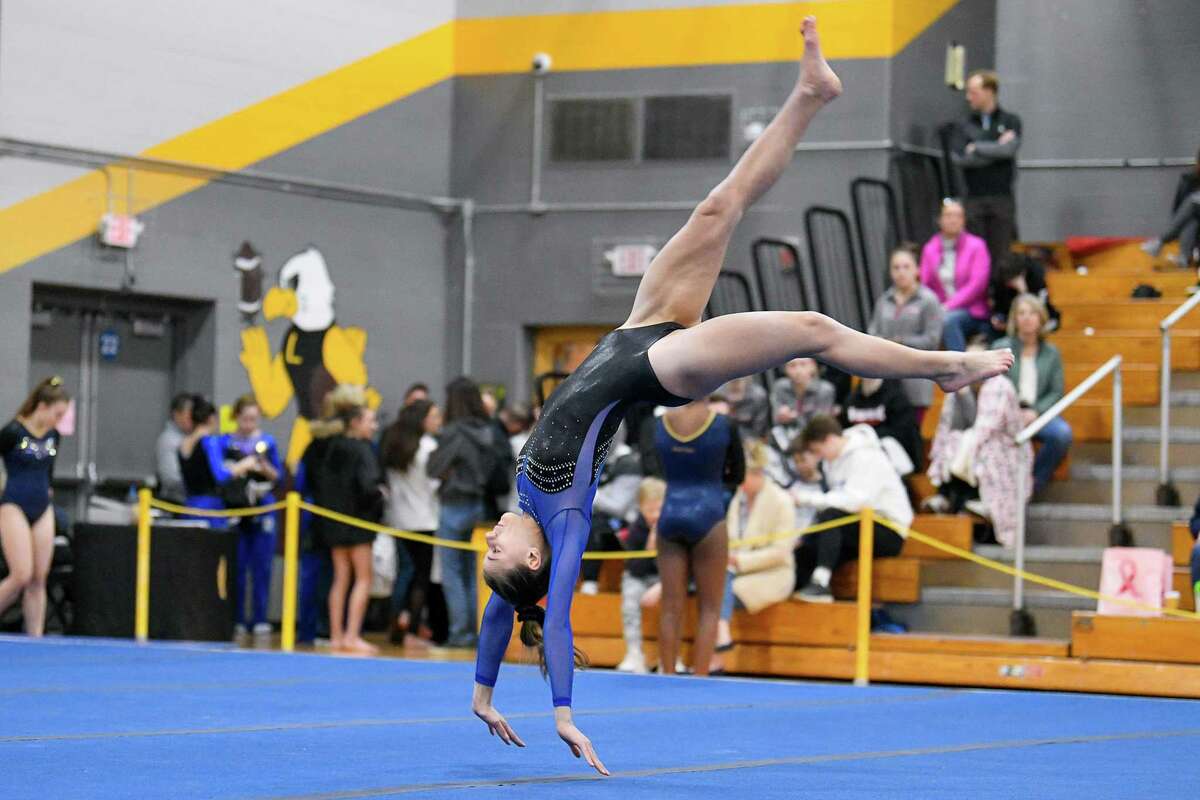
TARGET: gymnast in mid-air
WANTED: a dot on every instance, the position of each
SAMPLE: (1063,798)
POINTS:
(664,354)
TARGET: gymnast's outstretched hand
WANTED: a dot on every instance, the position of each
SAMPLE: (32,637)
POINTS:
(481,704)
(581,746)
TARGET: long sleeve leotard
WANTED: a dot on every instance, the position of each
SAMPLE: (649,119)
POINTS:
(557,475)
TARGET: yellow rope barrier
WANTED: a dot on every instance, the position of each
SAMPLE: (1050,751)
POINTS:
(254,511)
(1029,576)
(399,534)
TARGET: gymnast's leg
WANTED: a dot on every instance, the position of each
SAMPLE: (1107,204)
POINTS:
(694,362)
(677,285)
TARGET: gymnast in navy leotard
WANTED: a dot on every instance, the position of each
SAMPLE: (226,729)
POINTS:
(664,354)
(28,446)
(699,454)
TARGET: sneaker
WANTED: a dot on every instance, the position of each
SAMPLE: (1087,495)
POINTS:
(936,504)
(239,630)
(263,629)
(814,593)
(978,508)
(589,587)
(882,622)
(634,662)
(1151,247)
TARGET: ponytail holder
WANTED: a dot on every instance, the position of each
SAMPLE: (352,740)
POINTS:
(532,613)
(56,381)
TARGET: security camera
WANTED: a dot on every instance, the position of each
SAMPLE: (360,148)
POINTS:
(541,63)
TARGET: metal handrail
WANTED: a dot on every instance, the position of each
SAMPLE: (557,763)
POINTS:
(1113,365)
(1164,416)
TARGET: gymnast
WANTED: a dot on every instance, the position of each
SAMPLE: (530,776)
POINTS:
(665,355)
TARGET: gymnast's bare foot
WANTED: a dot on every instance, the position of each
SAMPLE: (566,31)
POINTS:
(975,366)
(817,78)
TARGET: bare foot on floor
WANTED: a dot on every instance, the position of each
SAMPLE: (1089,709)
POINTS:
(976,366)
(817,78)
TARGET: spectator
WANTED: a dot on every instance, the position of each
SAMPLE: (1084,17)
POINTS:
(806,468)
(910,314)
(28,445)
(499,487)
(249,470)
(463,461)
(614,506)
(518,423)
(170,477)
(859,476)
(986,150)
(316,565)
(1194,526)
(883,405)
(797,398)
(199,451)
(975,454)
(413,506)
(955,265)
(1037,374)
(1020,274)
(1185,220)
(639,581)
(346,479)
(764,573)
(749,405)
(417,391)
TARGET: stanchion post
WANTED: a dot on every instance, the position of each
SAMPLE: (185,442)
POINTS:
(482,592)
(141,610)
(866,555)
(291,569)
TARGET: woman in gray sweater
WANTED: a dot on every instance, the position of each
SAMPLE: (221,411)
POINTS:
(910,314)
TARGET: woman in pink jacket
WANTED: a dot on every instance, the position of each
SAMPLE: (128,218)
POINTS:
(955,265)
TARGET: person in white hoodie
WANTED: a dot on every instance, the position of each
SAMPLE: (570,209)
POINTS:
(860,475)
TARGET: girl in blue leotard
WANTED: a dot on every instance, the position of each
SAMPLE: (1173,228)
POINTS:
(663,353)
(699,453)
(28,446)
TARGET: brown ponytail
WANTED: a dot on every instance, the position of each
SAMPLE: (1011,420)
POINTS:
(48,392)
(523,588)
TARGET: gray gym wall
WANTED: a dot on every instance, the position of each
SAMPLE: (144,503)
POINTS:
(1100,79)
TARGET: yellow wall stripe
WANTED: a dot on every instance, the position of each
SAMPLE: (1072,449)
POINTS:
(587,41)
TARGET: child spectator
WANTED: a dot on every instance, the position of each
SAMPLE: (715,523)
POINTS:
(797,398)
(639,582)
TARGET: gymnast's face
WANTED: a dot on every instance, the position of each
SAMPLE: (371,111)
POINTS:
(516,541)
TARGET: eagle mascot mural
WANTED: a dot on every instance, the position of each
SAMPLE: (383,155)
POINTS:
(316,353)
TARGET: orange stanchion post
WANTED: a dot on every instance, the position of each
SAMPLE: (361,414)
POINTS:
(866,554)
(141,611)
(482,592)
(291,569)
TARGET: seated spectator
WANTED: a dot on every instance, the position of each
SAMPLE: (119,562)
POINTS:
(170,479)
(1037,373)
(956,266)
(884,406)
(639,581)
(1194,525)
(912,315)
(1185,220)
(748,405)
(615,505)
(762,574)
(797,398)
(975,454)
(806,468)
(859,475)
(1020,274)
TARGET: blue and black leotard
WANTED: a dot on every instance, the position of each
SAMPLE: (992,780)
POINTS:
(29,462)
(698,469)
(557,473)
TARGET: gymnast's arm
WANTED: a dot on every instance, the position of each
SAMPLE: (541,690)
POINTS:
(494,635)
(568,536)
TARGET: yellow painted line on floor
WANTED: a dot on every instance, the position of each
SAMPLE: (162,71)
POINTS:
(682,37)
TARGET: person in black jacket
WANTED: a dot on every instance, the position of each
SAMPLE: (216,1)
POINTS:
(884,406)
(1185,219)
(463,462)
(343,475)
